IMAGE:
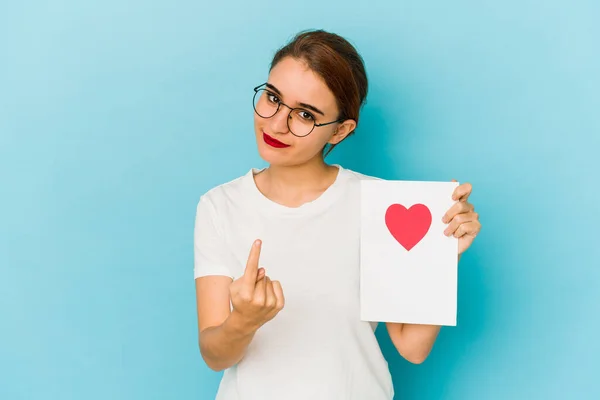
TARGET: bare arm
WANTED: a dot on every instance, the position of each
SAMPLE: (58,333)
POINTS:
(413,341)
(224,335)
(223,338)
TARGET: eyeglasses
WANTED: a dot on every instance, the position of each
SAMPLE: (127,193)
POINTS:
(300,121)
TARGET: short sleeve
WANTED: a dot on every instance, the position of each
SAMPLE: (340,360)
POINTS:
(211,255)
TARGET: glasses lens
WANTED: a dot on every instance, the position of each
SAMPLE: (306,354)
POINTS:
(301,122)
(265,103)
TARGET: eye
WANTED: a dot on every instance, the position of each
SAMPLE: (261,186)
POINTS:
(306,115)
(272,97)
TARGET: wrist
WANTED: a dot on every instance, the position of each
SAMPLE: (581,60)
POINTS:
(238,325)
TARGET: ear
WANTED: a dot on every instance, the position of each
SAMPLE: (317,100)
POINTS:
(342,131)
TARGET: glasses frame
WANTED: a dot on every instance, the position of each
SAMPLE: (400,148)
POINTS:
(315,125)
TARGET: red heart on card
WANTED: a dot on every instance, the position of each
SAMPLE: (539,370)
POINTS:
(408,226)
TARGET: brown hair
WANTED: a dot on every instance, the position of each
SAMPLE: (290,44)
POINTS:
(334,59)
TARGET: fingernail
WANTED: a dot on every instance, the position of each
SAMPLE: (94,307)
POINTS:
(257,243)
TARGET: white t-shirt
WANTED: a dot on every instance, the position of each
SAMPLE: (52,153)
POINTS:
(317,347)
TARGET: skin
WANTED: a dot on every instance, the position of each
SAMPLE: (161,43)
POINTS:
(296,175)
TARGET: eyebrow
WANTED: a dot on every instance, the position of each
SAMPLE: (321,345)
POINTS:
(304,105)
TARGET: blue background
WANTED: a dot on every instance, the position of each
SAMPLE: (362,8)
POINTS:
(116,116)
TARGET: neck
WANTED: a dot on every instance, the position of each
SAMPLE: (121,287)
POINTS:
(295,185)
(304,176)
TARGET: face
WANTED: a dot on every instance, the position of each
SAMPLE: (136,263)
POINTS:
(294,84)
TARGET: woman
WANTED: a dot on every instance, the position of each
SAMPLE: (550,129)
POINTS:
(276,250)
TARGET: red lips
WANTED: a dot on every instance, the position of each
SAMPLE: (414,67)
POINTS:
(274,142)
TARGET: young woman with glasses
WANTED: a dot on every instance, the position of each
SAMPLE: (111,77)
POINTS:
(276,250)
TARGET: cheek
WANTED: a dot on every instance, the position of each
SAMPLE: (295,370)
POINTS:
(319,138)
(257,122)
(259,127)
(312,144)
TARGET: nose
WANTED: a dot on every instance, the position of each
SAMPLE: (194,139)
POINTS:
(279,122)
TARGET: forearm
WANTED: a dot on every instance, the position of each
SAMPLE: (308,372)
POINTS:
(225,345)
(415,341)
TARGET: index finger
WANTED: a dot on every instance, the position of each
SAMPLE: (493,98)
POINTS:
(252,263)
(457,208)
(462,192)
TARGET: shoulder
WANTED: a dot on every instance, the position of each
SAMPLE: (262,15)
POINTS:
(359,177)
(233,191)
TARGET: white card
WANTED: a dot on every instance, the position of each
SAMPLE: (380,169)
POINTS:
(408,267)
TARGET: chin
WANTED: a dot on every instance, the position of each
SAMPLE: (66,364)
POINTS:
(273,156)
